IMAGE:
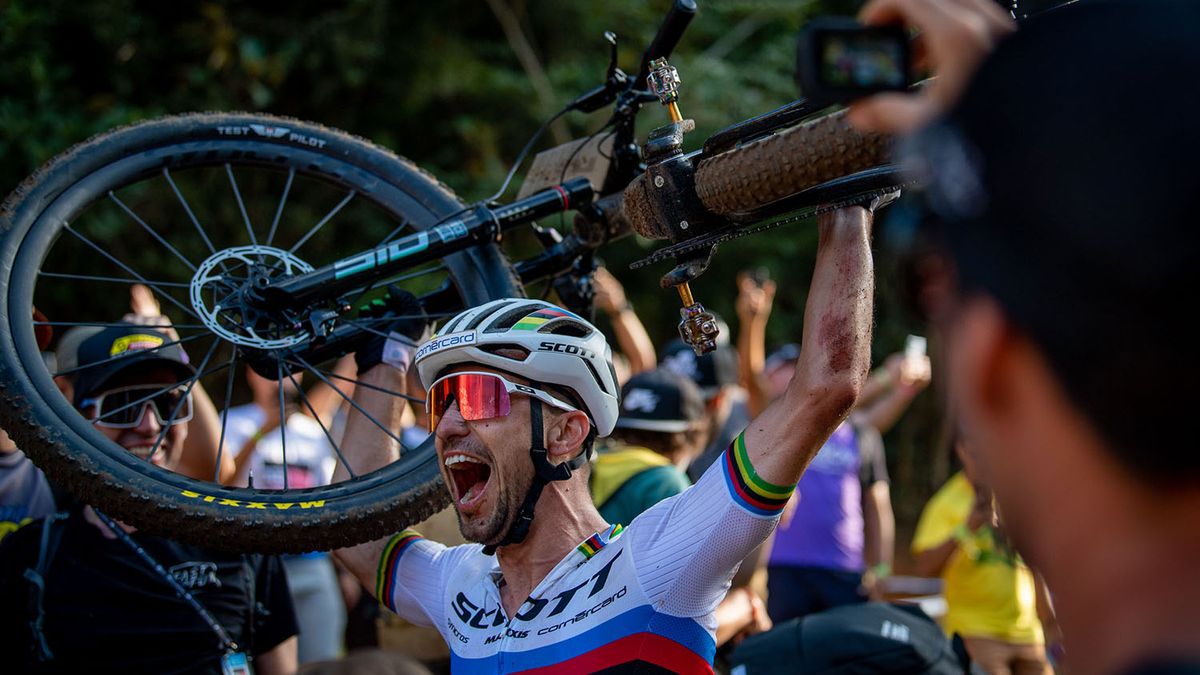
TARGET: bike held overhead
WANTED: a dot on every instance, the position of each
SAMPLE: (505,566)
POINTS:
(236,224)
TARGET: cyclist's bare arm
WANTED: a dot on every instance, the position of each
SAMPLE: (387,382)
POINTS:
(834,357)
(366,447)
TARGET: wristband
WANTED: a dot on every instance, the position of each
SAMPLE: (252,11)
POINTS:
(881,570)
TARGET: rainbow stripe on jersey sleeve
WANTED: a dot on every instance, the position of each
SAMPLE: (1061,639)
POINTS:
(749,489)
(385,576)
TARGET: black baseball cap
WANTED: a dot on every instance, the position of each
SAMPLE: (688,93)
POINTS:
(710,371)
(787,354)
(660,400)
(103,355)
(1061,185)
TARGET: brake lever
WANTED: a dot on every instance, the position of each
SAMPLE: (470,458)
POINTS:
(615,82)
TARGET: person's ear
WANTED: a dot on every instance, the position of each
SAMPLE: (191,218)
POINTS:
(985,352)
(566,433)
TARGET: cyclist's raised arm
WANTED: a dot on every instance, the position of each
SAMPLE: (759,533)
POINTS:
(698,537)
(834,356)
(366,447)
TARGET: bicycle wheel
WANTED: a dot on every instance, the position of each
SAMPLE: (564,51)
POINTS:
(150,204)
(778,166)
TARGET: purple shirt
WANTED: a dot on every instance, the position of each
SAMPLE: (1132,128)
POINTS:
(827,528)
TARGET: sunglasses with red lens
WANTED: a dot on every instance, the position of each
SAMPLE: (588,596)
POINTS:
(479,396)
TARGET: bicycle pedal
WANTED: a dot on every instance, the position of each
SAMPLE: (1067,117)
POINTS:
(698,328)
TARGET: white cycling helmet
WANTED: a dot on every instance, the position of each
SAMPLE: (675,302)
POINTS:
(561,349)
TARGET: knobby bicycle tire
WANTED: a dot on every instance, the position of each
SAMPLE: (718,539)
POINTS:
(49,429)
(778,166)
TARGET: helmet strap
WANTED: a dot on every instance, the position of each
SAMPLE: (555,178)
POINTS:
(544,473)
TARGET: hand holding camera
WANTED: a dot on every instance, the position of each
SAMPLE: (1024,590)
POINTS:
(953,37)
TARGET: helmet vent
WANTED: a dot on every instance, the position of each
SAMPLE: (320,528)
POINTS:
(568,328)
(511,352)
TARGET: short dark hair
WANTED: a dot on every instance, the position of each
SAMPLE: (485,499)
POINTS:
(664,443)
(1066,197)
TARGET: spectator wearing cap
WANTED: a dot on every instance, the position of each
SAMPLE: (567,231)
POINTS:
(659,432)
(101,605)
(200,452)
(725,401)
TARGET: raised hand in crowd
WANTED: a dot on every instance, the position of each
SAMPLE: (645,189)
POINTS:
(753,306)
(631,335)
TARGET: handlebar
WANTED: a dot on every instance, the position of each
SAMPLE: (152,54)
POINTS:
(669,33)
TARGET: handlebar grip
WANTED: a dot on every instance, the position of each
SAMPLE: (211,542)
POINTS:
(669,33)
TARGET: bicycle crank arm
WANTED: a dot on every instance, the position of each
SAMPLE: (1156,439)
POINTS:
(480,225)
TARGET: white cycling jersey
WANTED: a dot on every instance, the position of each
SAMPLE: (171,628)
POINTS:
(637,598)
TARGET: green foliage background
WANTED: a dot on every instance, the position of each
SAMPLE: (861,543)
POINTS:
(439,82)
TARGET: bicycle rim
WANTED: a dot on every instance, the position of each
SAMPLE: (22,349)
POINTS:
(154,204)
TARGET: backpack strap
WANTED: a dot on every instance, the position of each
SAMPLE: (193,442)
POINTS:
(52,533)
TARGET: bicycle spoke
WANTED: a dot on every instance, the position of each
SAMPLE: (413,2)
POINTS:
(282,418)
(140,278)
(328,436)
(319,225)
(287,188)
(188,209)
(225,417)
(376,331)
(149,230)
(126,355)
(162,434)
(241,204)
(117,280)
(395,231)
(372,387)
(383,427)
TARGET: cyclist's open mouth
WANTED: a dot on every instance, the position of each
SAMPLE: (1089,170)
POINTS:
(468,478)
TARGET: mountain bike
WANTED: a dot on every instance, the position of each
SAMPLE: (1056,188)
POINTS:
(314,224)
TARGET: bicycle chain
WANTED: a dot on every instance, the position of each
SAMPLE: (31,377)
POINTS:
(735,232)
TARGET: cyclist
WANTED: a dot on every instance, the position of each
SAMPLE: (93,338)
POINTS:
(1060,183)
(82,593)
(518,390)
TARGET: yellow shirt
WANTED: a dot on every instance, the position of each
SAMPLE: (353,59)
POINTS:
(989,590)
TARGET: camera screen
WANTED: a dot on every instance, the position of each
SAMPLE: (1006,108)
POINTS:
(861,61)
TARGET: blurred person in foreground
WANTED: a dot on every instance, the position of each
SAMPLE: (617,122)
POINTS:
(80,592)
(1058,210)
(993,599)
